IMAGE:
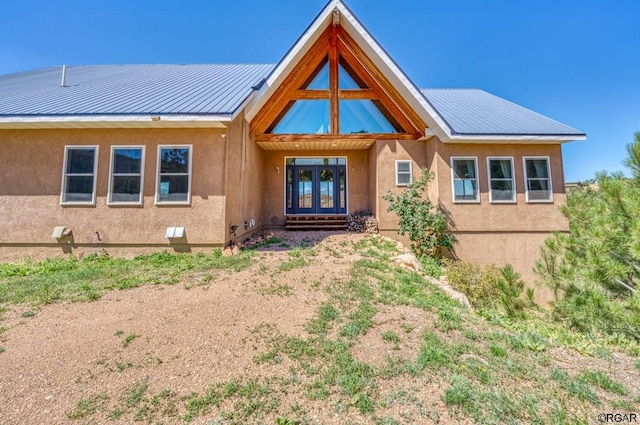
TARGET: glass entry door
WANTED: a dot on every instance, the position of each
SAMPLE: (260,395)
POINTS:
(316,189)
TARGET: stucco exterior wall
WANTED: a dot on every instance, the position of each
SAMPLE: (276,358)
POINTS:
(244,182)
(488,217)
(387,153)
(273,181)
(518,249)
(31,176)
(485,232)
(373,179)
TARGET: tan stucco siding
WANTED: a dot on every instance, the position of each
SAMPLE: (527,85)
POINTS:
(373,179)
(518,249)
(273,180)
(30,184)
(387,153)
(487,217)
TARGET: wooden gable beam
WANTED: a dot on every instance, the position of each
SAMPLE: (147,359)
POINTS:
(302,71)
(388,95)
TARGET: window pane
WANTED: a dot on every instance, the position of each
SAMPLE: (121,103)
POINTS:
(125,189)
(539,190)
(348,79)
(537,168)
(79,189)
(404,166)
(321,80)
(80,161)
(363,116)
(305,192)
(326,188)
(127,161)
(502,190)
(174,188)
(289,188)
(500,168)
(174,161)
(311,161)
(305,117)
(464,168)
(465,190)
(404,178)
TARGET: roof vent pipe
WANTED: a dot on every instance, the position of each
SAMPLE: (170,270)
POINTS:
(63,83)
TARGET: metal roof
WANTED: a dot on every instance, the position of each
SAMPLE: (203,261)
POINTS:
(474,112)
(130,89)
(221,89)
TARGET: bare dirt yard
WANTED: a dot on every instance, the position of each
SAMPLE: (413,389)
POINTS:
(308,328)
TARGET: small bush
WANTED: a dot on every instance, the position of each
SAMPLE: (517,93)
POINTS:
(490,287)
(420,218)
(431,266)
(511,286)
(479,284)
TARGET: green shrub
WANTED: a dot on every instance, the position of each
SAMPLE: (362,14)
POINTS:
(479,284)
(589,308)
(511,285)
(431,266)
(420,218)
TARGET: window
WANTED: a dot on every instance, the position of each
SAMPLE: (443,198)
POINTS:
(79,175)
(173,185)
(403,173)
(465,179)
(126,179)
(358,109)
(537,179)
(501,180)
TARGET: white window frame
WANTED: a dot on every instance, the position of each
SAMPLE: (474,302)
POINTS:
(110,201)
(513,179)
(410,162)
(63,186)
(526,179)
(453,179)
(189,174)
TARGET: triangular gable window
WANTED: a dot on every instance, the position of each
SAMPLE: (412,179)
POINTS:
(347,78)
(336,94)
(320,79)
(305,117)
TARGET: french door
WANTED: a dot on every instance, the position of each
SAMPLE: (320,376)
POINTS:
(316,189)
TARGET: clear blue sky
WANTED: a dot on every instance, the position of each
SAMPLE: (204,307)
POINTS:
(577,61)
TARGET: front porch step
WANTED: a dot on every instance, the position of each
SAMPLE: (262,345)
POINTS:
(316,222)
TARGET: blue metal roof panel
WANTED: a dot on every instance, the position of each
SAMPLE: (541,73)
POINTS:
(130,89)
(475,112)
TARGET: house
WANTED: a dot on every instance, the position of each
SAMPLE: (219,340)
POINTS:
(139,157)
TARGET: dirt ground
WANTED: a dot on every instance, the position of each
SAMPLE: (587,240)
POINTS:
(186,340)
(186,337)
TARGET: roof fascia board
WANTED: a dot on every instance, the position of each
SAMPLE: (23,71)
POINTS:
(359,33)
(113,118)
(114,121)
(293,56)
(392,71)
(521,139)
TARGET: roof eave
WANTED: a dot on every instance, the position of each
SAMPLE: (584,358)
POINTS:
(114,121)
(357,31)
(513,138)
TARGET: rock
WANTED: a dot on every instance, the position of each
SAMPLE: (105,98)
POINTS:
(236,250)
(408,260)
(227,252)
